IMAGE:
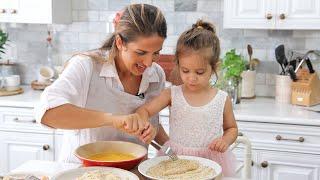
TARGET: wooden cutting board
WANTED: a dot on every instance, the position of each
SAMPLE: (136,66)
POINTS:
(4,92)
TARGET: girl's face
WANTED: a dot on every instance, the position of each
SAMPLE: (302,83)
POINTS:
(195,71)
(139,54)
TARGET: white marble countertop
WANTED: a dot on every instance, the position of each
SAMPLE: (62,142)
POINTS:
(28,98)
(258,109)
(267,110)
(50,168)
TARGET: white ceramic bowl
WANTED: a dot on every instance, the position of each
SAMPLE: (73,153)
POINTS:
(146,165)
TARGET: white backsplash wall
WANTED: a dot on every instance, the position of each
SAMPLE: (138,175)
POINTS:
(92,23)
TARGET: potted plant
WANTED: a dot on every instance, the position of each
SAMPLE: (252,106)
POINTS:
(3,41)
(232,66)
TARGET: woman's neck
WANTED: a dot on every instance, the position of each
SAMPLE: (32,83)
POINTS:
(121,68)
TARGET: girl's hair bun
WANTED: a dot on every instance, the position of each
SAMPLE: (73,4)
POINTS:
(204,25)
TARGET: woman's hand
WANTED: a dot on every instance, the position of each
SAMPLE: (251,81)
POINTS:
(219,144)
(148,134)
(132,123)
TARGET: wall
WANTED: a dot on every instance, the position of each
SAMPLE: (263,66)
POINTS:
(92,22)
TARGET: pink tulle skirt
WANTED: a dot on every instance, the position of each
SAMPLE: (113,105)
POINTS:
(226,160)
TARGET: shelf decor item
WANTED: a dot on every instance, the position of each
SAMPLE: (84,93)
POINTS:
(249,76)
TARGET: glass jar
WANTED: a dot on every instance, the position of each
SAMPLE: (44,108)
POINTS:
(7,69)
(233,88)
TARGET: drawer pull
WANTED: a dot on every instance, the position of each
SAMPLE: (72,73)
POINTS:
(269,16)
(24,121)
(13,11)
(2,11)
(46,147)
(300,139)
(240,134)
(264,164)
(282,16)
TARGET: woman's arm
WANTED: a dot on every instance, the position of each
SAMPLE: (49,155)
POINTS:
(69,116)
(229,123)
(161,136)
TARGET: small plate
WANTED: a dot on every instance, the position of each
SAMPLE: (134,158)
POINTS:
(78,172)
(21,175)
(145,165)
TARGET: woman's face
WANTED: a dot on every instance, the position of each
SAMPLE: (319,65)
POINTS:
(139,54)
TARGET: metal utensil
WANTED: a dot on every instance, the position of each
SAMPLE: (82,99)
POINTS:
(292,74)
(166,149)
(281,57)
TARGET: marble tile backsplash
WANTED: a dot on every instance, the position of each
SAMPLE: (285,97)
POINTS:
(92,23)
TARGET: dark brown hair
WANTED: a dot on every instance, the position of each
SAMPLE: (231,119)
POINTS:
(201,37)
(136,20)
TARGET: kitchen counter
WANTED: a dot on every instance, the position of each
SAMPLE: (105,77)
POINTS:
(259,109)
(28,99)
(267,110)
(50,168)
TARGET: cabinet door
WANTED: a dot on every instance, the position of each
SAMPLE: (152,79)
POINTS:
(35,11)
(294,166)
(249,14)
(298,14)
(8,10)
(17,148)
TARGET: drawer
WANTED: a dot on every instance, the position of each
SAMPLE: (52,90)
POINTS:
(282,137)
(17,118)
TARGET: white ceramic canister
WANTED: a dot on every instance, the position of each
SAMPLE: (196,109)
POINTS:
(248,84)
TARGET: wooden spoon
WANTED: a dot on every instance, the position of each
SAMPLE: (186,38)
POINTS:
(249,48)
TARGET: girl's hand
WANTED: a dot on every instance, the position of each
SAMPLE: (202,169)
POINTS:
(131,124)
(219,145)
(148,134)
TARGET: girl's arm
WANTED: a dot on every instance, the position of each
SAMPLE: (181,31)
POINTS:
(229,123)
(151,108)
(155,105)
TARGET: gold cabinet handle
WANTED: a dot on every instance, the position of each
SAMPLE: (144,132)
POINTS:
(2,11)
(279,138)
(282,16)
(46,147)
(24,121)
(264,164)
(269,16)
(240,134)
(13,11)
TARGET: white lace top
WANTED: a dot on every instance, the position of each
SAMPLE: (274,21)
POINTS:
(195,126)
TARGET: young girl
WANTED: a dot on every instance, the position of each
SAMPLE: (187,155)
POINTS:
(201,117)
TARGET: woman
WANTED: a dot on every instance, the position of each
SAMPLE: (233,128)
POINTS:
(99,88)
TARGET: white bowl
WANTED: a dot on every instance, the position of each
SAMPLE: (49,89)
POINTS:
(146,165)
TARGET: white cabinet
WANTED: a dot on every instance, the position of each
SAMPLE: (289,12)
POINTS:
(266,14)
(35,11)
(275,165)
(22,139)
(283,151)
(17,148)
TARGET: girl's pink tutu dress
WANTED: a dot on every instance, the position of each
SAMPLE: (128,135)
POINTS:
(192,129)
